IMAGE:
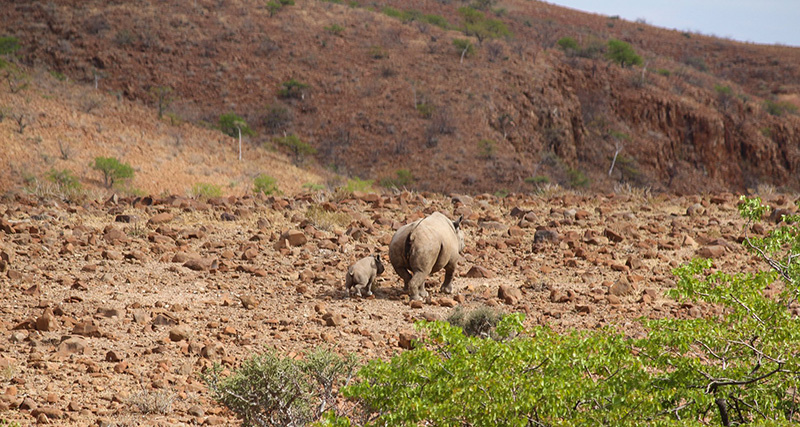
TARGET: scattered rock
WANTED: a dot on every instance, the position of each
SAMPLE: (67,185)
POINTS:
(478,272)
(508,294)
(713,251)
(180,333)
(73,345)
(406,340)
(161,218)
(622,287)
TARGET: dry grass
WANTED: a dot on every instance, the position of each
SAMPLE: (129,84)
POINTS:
(153,401)
(325,220)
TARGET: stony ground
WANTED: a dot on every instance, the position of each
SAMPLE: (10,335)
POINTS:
(111,310)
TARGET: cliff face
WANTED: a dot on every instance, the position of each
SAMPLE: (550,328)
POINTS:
(386,96)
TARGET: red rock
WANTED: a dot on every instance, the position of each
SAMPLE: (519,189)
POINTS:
(294,237)
(621,288)
(478,272)
(446,302)
(332,319)
(406,340)
(161,218)
(713,251)
(510,295)
(112,255)
(201,264)
(86,329)
(249,302)
(180,333)
(73,345)
(613,235)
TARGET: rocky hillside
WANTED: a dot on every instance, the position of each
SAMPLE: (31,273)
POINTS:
(387,90)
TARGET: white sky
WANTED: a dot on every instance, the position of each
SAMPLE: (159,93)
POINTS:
(758,21)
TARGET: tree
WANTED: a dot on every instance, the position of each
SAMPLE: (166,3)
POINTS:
(161,94)
(232,125)
(478,25)
(622,53)
(8,45)
(113,171)
(298,147)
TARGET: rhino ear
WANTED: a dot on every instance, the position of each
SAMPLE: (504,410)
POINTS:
(457,223)
(377,257)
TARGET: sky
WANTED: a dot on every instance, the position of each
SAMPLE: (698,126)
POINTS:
(757,21)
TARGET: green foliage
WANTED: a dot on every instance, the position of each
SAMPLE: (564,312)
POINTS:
(478,25)
(402,178)
(313,186)
(124,37)
(276,118)
(437,20)
(265,184)
(64,179)
(8,46)
(205,191)
(568,44)
(292,89)
(464,46)
(113,171)
(696,62)
(377,52)
(487,148)
(622,53)
(267,390)
(664,72)
(403,15)
(335,29)
(273,6)
(426,110)
(537,180)
(163,97)
(577,178)
(779,108)
(231,124)
(298,147)
(358,184)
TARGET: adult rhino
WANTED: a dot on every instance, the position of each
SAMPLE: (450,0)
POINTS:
(423,247)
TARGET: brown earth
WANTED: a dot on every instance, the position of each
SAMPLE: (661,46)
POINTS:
(693,117)
(99,313)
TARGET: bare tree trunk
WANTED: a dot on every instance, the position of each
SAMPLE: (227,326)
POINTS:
(614,160)
(240,142)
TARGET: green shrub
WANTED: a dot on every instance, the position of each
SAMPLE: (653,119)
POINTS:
(568,44)
(426,110)
(464,46)
(478,25)
(696,62)
(487,148)
(577,178)
(622,53)
(292,89)
(205,191)
(162,95)
(779,108)
(276,118)
(64,179)
(269,390)
(437,20)
(377,52)
(538,179)
(230,124)
(298,147)
(358,184)
(327,220)
(335,29)
(313,187)
(124,37)
(265,184)
(8,46)
(113,171)
(403,178)
(664,72)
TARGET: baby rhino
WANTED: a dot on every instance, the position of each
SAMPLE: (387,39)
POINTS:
(426,246)
(362,274)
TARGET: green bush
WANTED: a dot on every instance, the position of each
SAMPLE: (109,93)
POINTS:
(230,124)
(276,118)
(437,20)
(480,322)
(478,25)
(464,46)
(205,191)
(298,147)
(402,178)
(779,108)
(568,44)
(487,148)
(538,179)
(426,110)
(8,46)
(113,171)
(292,89)
(622,53)
(358,184)
(377,52)
(577,178)
(265,184)
(267,390)
(273,6)
(64,179)
(335,29)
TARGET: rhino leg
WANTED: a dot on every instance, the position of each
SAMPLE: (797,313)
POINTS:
(447,286)
(368,287)
(416,287)
(406,276)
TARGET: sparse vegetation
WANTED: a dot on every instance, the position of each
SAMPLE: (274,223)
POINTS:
(299,148)
(568,45)
(113,170)
(487,148)
(265,184)
(276,118)
(480,322)
(205,191)
(8,46)
(232,125)
(327,220)
(425,109)
(162,95)
(465,47)
(335,29)
(269,390)
(377,52)
(153,401)
(478,25)
(64,179)
(292,89)
(779,108)
(402,178)
(577,179)
(622,53)
(537,180)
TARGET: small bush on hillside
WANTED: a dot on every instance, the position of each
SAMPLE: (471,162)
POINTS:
(358,184)
(436,20)
(622,53)
(464,46)
(327,220)
(298,147)
(478,25)
(205,191)
(402,178)
(426,110)
(538,179)
(276,118)
(273,6)
(696,62)
(292,89)
(779,108)
(268,390)
(162,95)
(377,52)
(230,124)
(64,179)
(568,45)
(8,46)
(113,170)
(577,178)
(265,184)
(487,148)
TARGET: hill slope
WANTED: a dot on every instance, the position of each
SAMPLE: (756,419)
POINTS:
(387,95)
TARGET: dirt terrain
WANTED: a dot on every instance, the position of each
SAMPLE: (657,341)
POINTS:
(108,304)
